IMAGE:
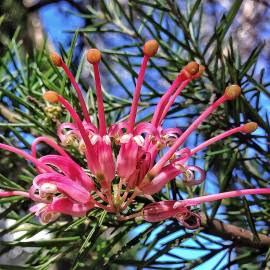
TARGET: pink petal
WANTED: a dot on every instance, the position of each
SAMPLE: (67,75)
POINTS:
(65,185)
(168,173)
(68,207)
(106,160)
(127,159)
(70,169)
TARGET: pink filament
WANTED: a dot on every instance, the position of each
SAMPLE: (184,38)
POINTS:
(101,114)
(172,99)
(136,97)
(220,196)
(184,136)
(215,139)
(79,123)
(78,90)
(14,193)
(24,155)
(164,99)
(50,143)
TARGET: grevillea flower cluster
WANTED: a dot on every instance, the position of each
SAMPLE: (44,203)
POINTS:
(125,160)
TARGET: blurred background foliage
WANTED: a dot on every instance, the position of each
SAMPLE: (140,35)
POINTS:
(230,38)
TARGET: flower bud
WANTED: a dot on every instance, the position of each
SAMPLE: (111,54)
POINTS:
(150,48)
(51,96)
(250,127)
(233,91)
(93,56)
(56,59)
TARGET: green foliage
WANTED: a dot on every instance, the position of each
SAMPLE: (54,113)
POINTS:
(98,240)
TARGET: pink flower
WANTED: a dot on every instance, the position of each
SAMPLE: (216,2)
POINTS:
(59,181)
(122,159)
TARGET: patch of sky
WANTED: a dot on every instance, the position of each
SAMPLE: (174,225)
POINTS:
(56,19)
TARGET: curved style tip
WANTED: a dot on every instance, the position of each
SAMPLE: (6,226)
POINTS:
(150,48)
(201,69)
(250,127)
(93,56)
(56,59)
(192,68)
(50,96)
(232,92)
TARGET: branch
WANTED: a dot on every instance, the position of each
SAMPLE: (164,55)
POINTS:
(239,236)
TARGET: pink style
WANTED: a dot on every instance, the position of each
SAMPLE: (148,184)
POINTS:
(123,160)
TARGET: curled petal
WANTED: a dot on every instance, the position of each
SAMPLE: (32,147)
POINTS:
(90,127)
(70,169)
(190,180)
(183,155)
(145,128)
(38,208)
(168,173)
(117,129)
(168,131)
(63,126)
(188,219)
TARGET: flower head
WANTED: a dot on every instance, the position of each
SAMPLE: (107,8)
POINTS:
(122,159)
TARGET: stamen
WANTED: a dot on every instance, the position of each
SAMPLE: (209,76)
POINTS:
(186,74)
(179,90)
(149,50)
(57,60)
(94,56)
(77,120)
(231,92)
(247,128)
